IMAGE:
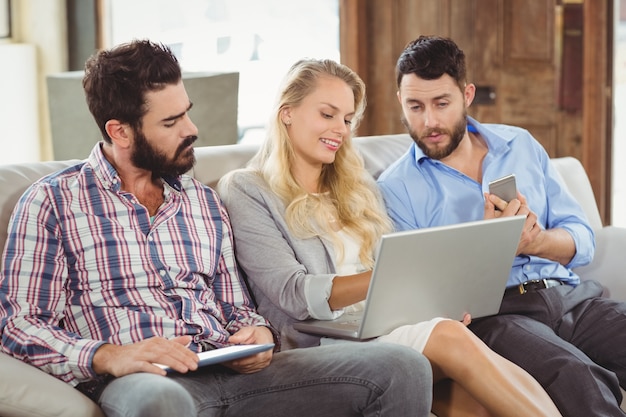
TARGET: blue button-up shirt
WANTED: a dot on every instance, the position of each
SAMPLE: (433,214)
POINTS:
(423,192)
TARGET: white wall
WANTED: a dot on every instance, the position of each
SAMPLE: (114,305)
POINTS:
(37,47)
(19,114)
(5,27)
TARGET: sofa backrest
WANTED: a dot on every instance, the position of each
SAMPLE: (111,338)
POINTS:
(14,179)
(215,161)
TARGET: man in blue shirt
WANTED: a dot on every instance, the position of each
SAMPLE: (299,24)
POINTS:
(572,340)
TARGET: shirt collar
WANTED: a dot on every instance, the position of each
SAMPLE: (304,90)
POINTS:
(496,142)
(109,177)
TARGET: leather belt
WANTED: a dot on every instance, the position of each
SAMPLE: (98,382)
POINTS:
(532,286)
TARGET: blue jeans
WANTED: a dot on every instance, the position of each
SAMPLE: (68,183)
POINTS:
(369,379)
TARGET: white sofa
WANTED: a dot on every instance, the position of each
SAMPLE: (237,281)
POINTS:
(26,391)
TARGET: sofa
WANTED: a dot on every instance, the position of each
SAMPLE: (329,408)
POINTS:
(27,391)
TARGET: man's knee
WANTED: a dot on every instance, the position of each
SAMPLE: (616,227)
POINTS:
(146,395)
(405,375)
(400,367)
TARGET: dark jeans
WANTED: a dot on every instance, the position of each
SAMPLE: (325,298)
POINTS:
(369,379)
(572,340)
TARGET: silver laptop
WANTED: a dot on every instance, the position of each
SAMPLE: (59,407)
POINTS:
(444,271)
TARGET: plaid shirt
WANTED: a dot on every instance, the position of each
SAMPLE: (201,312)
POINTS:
(85,264)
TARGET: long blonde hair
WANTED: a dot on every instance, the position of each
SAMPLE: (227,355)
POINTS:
(351,192)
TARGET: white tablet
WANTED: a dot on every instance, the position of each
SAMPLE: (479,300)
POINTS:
(228,353)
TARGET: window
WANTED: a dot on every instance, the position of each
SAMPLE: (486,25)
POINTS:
(259,39)
(5,21)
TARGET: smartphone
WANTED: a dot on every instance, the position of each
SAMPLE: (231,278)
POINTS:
(504,187)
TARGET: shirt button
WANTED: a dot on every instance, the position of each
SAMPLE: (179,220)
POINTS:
(162,272)
(150,238)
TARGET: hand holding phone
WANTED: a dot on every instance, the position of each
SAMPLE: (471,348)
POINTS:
(504,187)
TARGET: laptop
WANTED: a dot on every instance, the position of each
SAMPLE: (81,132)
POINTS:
(443,271)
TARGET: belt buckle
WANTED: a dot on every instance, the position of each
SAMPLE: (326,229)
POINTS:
(522,286)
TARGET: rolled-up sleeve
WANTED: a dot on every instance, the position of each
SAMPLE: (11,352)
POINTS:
(317,292)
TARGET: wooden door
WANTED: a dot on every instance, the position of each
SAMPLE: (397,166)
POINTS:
(533,67)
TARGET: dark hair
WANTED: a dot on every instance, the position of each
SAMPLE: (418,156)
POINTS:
(117,80)
(430,57)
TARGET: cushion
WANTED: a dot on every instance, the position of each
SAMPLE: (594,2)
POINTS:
(29,392)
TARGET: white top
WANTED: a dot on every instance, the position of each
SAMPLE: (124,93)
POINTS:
(349,264)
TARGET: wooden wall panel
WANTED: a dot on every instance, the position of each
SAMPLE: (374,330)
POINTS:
(528,96)
(526,73)
(483,52)
(352,35)
(570,70)
(382,104)
(597,99)
(532,22)
(418,17)
(463,30)
(546,134)
(569,136)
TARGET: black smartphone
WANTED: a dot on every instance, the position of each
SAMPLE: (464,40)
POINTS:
(504,187)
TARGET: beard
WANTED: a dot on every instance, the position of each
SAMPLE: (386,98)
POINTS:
(146,156)
(435,152)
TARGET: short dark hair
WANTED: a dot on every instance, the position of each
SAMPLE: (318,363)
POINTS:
(117,80)
(430,57)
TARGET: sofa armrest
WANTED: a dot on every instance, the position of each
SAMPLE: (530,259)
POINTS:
(609,264)
(25,391)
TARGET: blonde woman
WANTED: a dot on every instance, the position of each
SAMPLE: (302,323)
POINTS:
(307,217)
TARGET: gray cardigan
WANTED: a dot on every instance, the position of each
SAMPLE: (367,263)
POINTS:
(276,263)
